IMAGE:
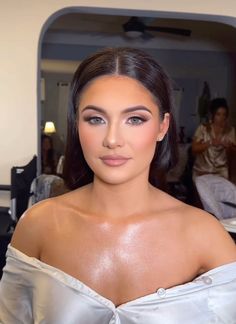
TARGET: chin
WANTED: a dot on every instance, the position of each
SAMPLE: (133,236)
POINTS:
(119,178)
(120,175)
(113,180)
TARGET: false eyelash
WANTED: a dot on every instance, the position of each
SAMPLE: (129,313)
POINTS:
(90,118)
(140,118)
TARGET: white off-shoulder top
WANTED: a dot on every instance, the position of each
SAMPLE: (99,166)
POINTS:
(34,292)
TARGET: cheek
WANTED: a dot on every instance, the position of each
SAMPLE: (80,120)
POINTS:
(147,138)
(88,136)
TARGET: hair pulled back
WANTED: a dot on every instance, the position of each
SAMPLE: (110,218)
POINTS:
(135,64)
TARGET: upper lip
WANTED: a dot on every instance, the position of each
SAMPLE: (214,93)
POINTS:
(114,157)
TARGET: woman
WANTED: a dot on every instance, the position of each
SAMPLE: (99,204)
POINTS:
(211,142)
(47,155)
(117,249)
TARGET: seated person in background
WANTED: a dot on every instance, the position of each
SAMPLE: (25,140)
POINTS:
(212,140)
(47,155)
(117,249)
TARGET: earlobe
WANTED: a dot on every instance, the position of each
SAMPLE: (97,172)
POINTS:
(164,126)
(160,138)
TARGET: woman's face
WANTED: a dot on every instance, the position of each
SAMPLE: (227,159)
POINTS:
(220,116)
(119,125)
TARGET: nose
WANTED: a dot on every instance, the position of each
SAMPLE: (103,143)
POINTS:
(113,137)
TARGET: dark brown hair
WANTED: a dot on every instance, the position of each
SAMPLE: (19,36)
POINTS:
(47,157)
(135,64)
(217,103)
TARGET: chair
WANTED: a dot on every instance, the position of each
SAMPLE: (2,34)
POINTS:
(4,241)
(21,179)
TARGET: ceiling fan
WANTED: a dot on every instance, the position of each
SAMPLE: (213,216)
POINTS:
(135,28)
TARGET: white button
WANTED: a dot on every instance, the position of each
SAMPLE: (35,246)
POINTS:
(207,280)
(161,292)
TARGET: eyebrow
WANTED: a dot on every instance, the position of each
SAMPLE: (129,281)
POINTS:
(127,110)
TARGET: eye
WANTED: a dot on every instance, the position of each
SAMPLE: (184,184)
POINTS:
(95,120)
(136,120)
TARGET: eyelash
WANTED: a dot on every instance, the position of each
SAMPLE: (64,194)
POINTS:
(91,120)
(96,120)
(141,120)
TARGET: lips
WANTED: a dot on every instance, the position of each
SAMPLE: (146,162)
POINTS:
(114,160)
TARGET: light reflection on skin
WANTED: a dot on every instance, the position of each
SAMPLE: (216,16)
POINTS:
(121,250)
(123,121)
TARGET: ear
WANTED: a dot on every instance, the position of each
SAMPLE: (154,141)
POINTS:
(164,126)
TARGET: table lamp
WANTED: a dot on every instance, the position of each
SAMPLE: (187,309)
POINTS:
(49,128)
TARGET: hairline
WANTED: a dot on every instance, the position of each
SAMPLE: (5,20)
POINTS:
(117,74)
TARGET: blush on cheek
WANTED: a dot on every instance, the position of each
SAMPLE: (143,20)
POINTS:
(148,137)
(89,139)
(145,144)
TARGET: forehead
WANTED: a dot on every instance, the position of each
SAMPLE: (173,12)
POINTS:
(221,110)
(116,88)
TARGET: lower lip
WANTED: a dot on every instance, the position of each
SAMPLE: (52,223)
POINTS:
(114,163)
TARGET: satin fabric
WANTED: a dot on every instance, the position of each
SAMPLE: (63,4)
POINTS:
(214,159)
(34,292)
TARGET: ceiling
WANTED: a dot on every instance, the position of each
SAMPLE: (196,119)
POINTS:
(106,30)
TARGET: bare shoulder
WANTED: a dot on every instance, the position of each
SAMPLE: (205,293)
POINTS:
(41,221)
(207,237)
(200,232)
(30,229)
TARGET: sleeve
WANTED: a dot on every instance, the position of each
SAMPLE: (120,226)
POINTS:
(199,134)
(231,136)
(15,296)
(222,302)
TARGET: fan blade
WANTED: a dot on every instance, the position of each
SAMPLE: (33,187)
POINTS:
(134,24)
(170,30)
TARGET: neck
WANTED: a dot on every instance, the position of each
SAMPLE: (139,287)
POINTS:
(218,126)
(120,200)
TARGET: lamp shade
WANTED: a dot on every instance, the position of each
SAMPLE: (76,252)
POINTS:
(49,127)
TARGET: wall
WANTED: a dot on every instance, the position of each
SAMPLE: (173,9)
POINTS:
(20,29)
(55,106)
